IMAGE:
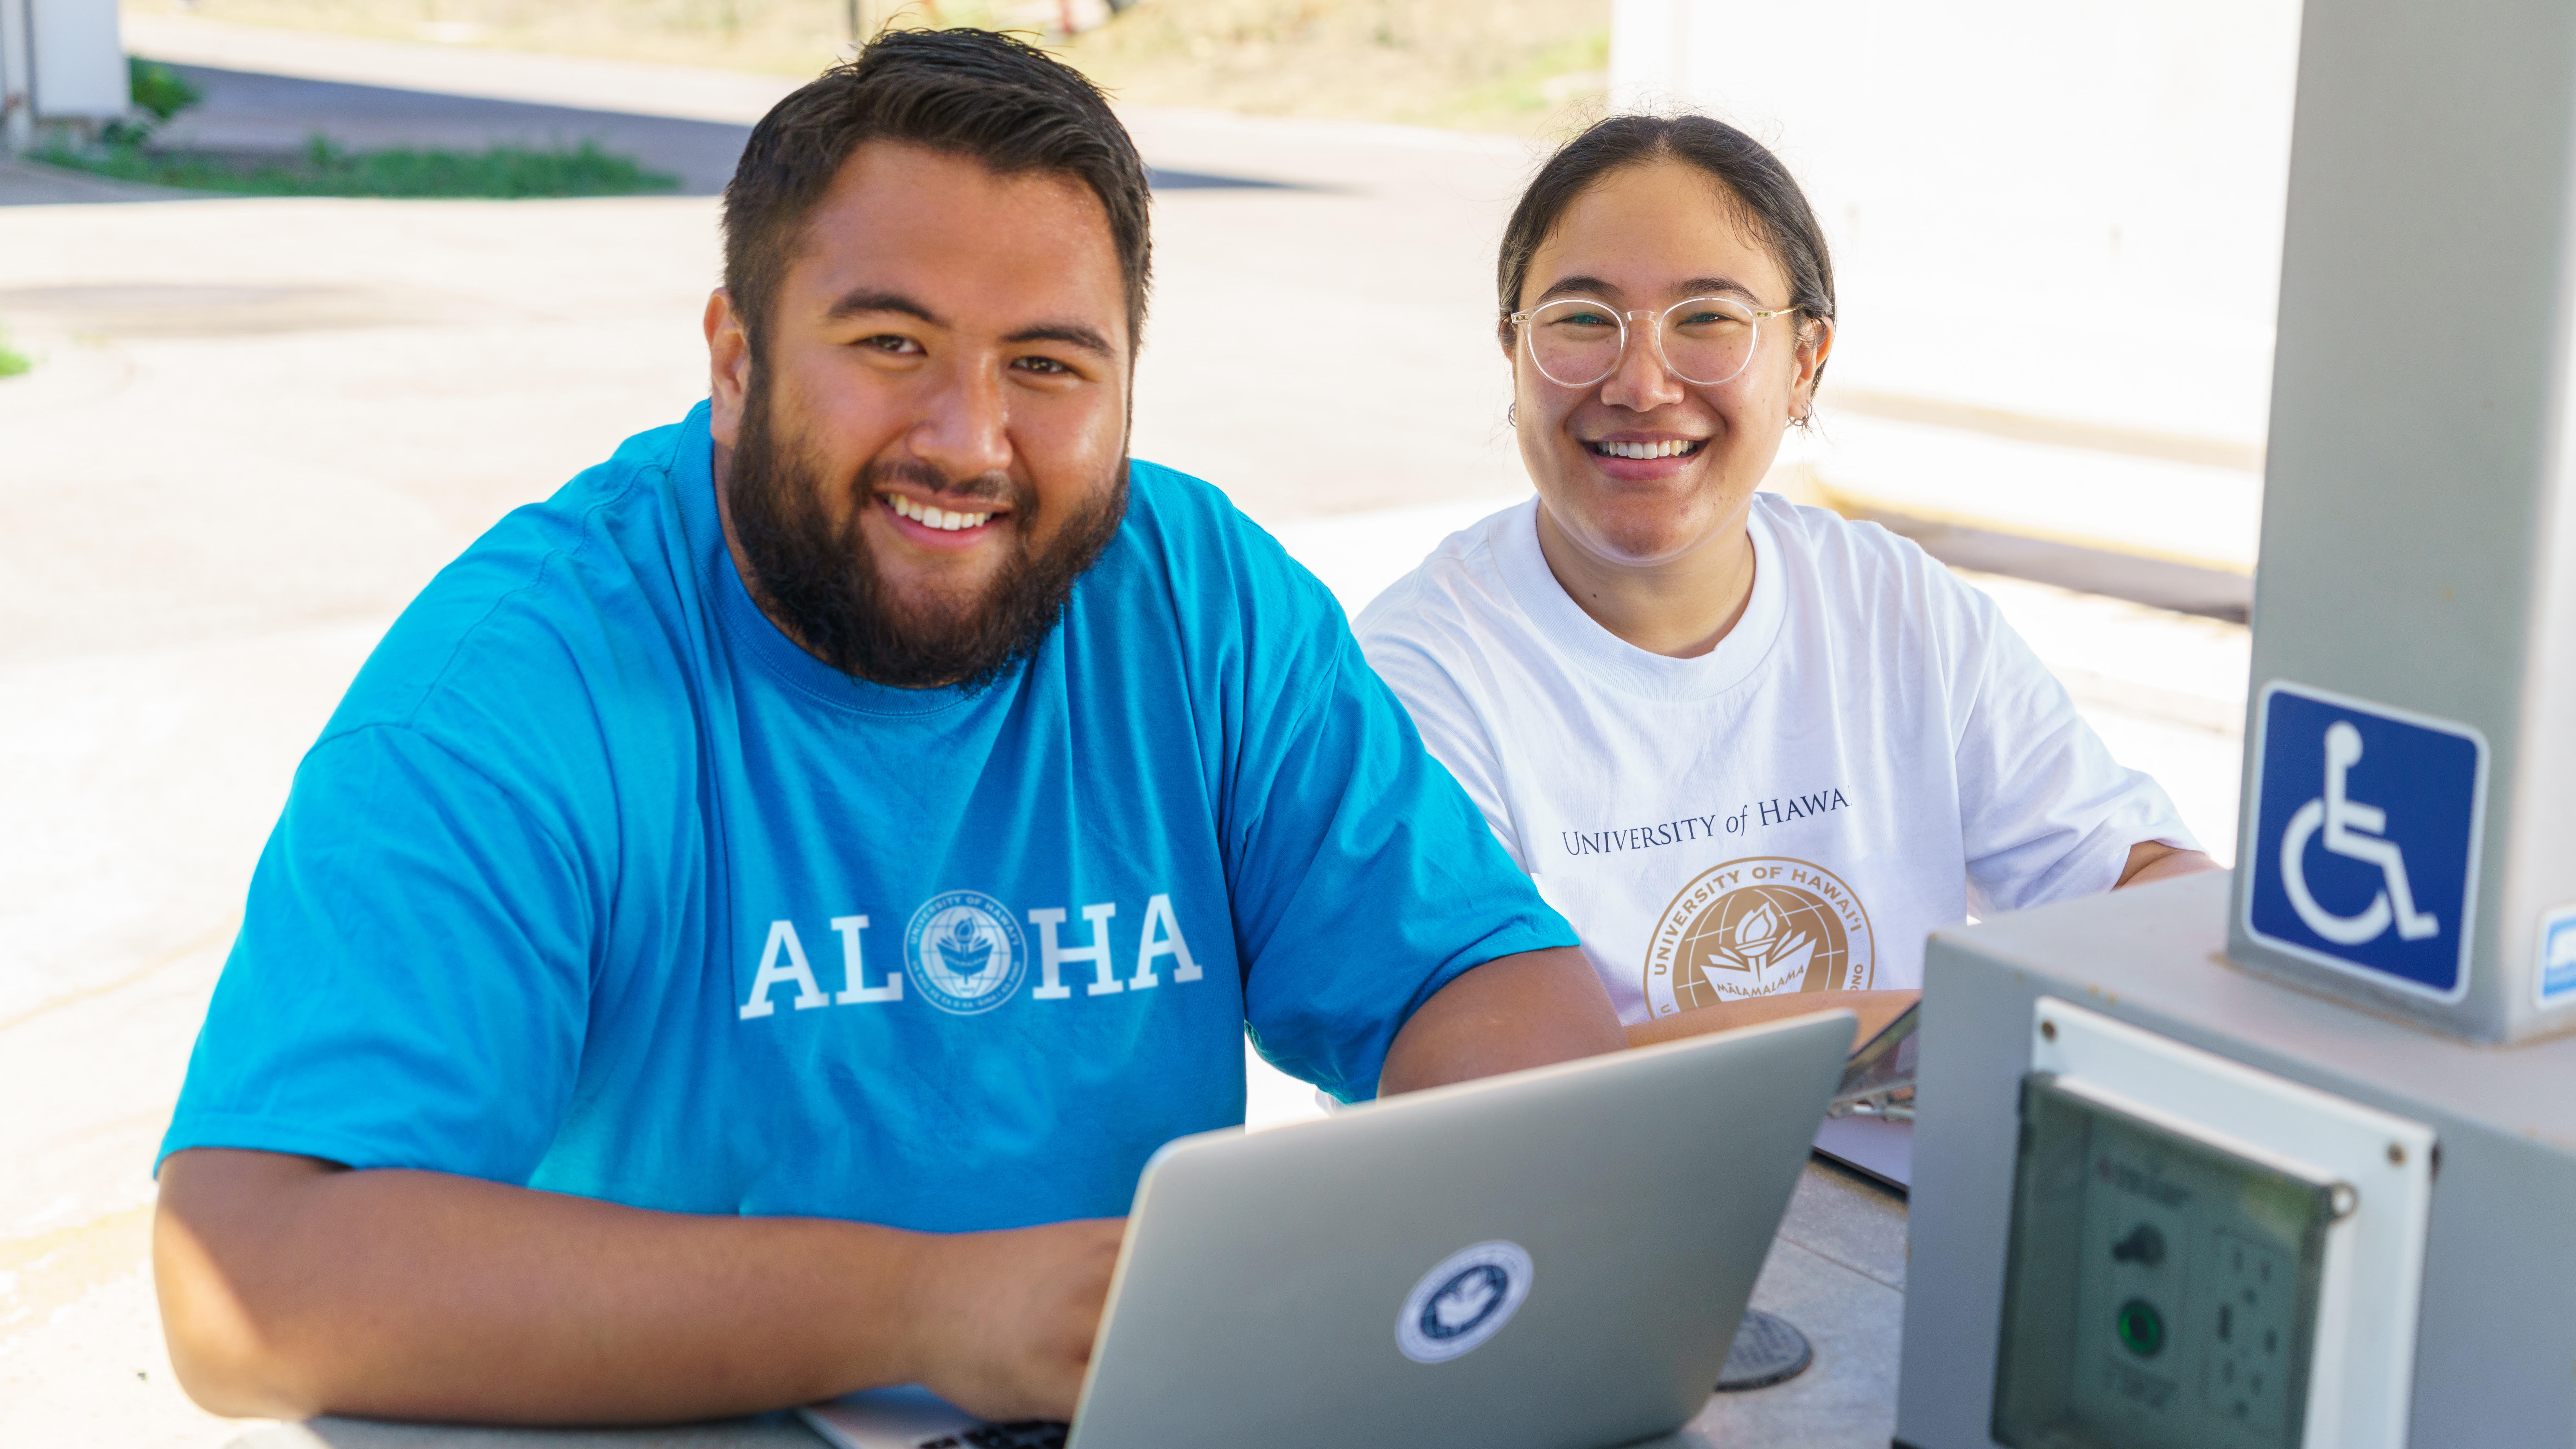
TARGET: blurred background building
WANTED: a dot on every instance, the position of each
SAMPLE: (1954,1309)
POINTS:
(61,62)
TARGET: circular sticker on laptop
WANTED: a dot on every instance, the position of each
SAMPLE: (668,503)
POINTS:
(1463,1302)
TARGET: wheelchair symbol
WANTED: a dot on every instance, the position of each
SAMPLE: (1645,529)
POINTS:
(2356,832)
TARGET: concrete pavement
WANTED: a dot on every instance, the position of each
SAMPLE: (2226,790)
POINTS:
(258,426)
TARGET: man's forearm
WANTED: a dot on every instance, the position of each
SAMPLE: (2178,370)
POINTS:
(290,1287)
(1512,1012)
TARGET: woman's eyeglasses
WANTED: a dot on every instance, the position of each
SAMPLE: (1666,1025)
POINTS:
(1576,341)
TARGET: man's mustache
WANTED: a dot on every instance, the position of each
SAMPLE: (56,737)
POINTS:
(983,487)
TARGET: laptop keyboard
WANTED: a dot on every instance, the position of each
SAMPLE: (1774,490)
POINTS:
(1025,1434)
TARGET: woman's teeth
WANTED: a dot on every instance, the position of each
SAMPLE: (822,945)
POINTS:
(934,517)
(1672,449)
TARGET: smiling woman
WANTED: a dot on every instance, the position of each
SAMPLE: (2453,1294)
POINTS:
(1808,744)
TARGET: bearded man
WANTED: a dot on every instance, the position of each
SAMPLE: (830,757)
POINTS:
(750,921)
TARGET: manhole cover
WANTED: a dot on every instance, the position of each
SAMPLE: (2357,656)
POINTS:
(1767,1349)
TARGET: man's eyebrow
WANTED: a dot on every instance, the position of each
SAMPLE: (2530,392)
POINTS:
(862,301)
(1072,334)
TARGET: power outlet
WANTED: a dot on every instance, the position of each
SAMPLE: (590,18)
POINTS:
(2248,1314)
(2204,1256)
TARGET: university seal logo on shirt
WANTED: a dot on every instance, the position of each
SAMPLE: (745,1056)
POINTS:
(965,953)
(1758,927)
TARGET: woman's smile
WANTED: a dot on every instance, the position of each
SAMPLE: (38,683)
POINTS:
(1662,448)
(1632,457)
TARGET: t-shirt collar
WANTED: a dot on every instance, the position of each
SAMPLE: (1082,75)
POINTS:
(744,625)
(1622,665)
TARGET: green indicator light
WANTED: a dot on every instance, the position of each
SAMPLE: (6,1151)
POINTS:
(2141,1328)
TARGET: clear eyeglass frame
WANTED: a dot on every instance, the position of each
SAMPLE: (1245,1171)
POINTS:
(1522,320)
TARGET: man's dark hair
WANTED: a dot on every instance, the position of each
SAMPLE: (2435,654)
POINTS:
(972,93)
(1767,200)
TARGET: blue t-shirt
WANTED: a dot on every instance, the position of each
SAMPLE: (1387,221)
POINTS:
(597,883)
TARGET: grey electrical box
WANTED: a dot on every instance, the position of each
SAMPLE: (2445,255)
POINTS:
(2197,1079)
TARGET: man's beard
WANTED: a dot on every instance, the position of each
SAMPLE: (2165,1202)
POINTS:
(822,584)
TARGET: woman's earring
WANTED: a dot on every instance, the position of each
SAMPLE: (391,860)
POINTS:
(1512,415)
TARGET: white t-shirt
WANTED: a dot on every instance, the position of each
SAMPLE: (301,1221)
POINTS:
(1796,809)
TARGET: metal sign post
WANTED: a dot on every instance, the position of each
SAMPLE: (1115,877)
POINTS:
(17,78)
(2408,835)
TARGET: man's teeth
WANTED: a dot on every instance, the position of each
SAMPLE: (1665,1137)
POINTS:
(1672,449)
(934,517)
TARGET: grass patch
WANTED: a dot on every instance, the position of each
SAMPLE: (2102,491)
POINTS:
(1529,67)
(1564,82)
(326,169)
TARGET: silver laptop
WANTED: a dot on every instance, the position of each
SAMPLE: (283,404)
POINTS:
(1553,1259)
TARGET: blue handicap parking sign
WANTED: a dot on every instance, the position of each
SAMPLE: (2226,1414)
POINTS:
(2365,849)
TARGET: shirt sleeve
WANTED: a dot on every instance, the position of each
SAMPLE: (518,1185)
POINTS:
(411,982)
(2046,813)
(1364,878)
(1450,727)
